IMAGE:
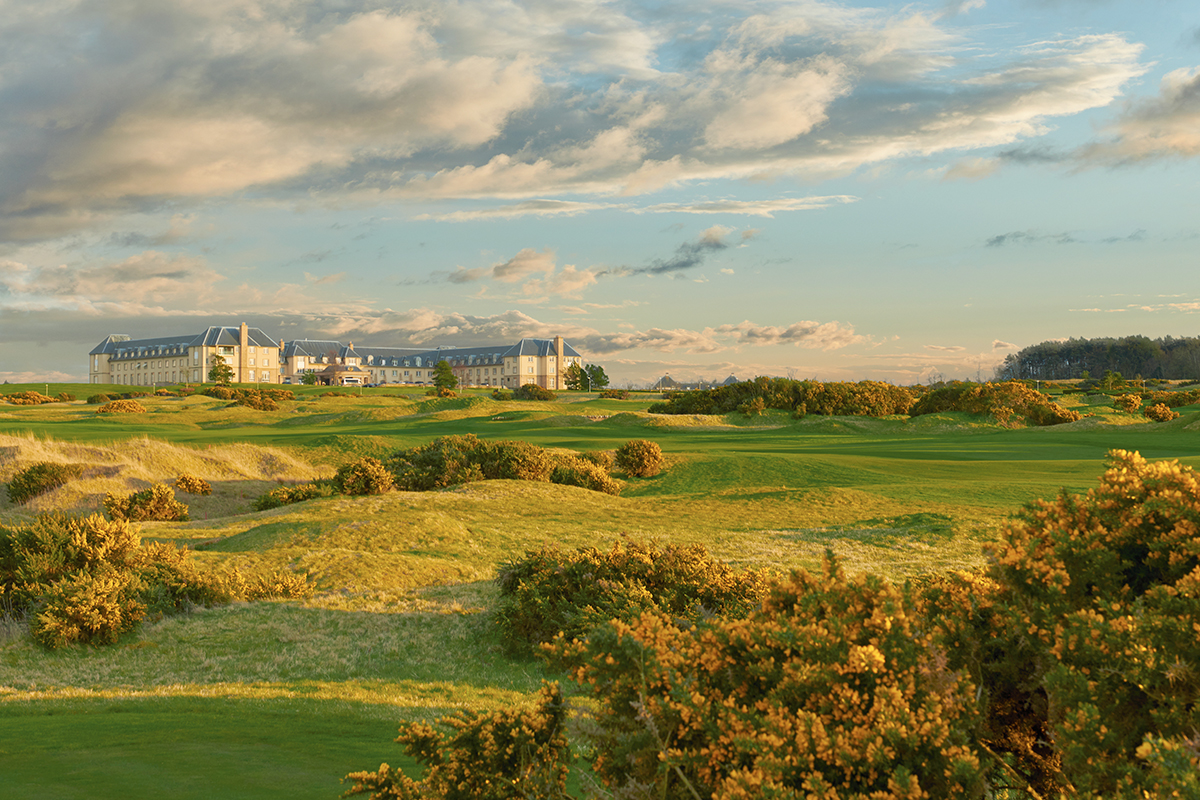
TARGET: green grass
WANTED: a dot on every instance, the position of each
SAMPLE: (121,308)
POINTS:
(280,699)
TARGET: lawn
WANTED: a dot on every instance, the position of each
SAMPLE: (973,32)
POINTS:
(280,699)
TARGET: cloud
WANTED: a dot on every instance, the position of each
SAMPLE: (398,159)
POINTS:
(999,345)
(815,335)
(133,107)
(758,208)
(945,349)
(318,280)
(689,254)
(1167,126)
(1030,237)
(1137,236)
(524,264)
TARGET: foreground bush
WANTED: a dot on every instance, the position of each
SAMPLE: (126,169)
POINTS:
(865,398)
(639,458)
(518,754)
(1001,400)
(28,399)
(122,407)
(155,503)
(363,477)
(1160,412)
(1106,608)
(98,399)
(286,495)
(193,485)
(615,394)
(550,591)
(501,394)
(37,479)
(584,473)
(91,580)
(438,391)
(1128,403)
(531,391)
(834,688)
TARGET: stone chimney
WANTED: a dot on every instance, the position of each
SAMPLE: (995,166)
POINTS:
(243,365)
(559,352)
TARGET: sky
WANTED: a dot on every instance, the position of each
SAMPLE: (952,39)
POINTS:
(813,189)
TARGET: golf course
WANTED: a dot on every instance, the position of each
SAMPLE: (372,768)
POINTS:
(281,698)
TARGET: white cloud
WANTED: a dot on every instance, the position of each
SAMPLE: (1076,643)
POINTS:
(1167,126)
(999,345)
(815,335)
(945,349)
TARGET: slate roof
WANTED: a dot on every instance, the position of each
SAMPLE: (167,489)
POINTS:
(121,346)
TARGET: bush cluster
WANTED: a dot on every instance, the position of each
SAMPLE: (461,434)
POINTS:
(98,399)
(454,460)
(1128,403)
(64,397)
(441,391)
(260,399)
(1173,399)
(90,580)
(865,398)
(193,485)
(531,391)
(501,394)
(363,477)
(998,399)
(639,458)
(28,399)
(505,755)
(1160,412)
(40,478)
(286,495)
(615,394)
(122,407)
(154,503)
(549,591)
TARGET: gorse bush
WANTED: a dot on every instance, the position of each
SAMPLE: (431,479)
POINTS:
(98,399)
(531,391)
(286,495)
(639,458)
(833,688)
(1011,398)
(363,477)
(37,479)
(155,503)
(615,394)
(865,398)
(193,485)
(28,399)
(122,407)
(1160,412)
(454,460)
(1128,403)
(550,591)
(501,394)
(91,580)
(518,754)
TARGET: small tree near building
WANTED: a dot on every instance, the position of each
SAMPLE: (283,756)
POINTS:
(575,378)
(309,378)
(220,371)
(597,380)
(443,376)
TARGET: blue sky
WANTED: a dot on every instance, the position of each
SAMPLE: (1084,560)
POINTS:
(817,189)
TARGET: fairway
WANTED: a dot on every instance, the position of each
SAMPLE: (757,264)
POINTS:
(282,698)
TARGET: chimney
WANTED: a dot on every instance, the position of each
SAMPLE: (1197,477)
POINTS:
(558,362)
(243,353)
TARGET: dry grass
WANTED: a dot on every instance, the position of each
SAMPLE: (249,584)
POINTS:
(238,472)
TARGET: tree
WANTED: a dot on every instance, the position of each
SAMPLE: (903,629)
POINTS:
(443,376)
(596,377)
(575,377)
(220,372)
(309,378)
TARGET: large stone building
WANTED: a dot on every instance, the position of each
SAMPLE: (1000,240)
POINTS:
(540,361)
(186,358)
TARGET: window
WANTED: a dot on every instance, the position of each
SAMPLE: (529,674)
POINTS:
(266,376)
(251,348)
(531,370)
(251,374)
(225,350)
(252,362)
(266,362)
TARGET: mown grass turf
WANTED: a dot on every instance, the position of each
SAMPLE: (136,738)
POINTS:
(281,699)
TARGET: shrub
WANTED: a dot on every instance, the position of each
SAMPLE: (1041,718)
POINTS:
(501,394)
(155,503)
(122,407)
(605,459)
(441,391)
(363,477)
(64,397)
(1104,608)
(219,392)
(165,393)
(550,591)
(286,495)
(193,485)
(40,478)
(865,398)
(1128,403)
(1160,413)
(531,391)
(754,407)
(1014,397)
(87,607)
(833,688)
(575,471)
(615,394)
(28,399)
(506,755)
(639,458)
(98,399)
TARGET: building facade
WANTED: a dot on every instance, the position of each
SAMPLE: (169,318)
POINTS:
(187,358)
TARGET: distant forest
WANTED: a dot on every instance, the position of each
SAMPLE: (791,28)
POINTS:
(1132,356)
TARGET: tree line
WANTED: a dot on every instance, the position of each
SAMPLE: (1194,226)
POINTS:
(1166,358)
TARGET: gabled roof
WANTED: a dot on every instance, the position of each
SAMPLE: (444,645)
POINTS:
(311,347)
(539,347)
(215,336)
